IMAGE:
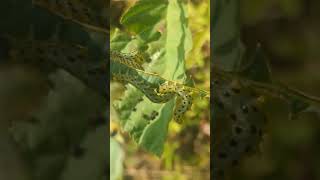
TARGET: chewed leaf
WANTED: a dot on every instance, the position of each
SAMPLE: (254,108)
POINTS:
(126,106)
(144,120)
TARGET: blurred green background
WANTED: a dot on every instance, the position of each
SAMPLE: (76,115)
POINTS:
(289,32)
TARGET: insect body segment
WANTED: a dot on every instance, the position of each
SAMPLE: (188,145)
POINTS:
(146,83)
(133,60)
(184,98)
(75,59)
(128,69)
(184,102)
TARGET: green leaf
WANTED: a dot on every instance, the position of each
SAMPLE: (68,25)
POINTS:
(178,42)
(116,160)
(119,40)
(143,15)
(134,111)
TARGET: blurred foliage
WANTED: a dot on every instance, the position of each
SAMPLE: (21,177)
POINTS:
(186,149)
(288,33)
(52,124)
